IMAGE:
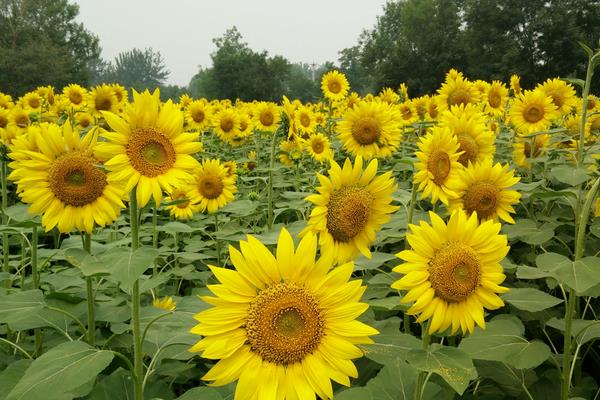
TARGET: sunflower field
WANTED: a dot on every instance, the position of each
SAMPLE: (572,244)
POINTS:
(356,248)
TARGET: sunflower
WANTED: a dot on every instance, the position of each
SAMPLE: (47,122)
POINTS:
(183,207)
(166,303)
(495,99)
(120,92)
(226,124)
(420,104)
(438,166)
(350,208)
(403,90)
(6,101)
(185,100)
(212,187)
(562,94)
(532,111)
(484,188)
(387,95)
(515,84)
(75,95)
(101,98)
(453,271)
(475,139)
(408,112)
(305,121)
(370,129)
(231,168)
(334,85)
(266,116)
(319,148)
(63,181)
(528,148)
(149,151)
(283,325)
(433,108)
(84,119)
(457,91)
(197,115)
(32,102)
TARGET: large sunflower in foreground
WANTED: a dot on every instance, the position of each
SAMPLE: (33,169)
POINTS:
(351,206)
(283,326)
(438,166)
(370,129)
(149,151)
(61,179)
(484,188)
(334,85)
(533,111)
(453,271)
(213,186)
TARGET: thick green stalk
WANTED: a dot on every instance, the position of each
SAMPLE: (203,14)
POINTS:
(5,238)
(270,188)
(155,235)
(426,340)
(138,366)
(411,211)
(217,242)
(89,288)
(35,277)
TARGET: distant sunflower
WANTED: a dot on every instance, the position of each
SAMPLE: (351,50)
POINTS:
(484,188)
(284,326)
(475,139)
(515,84)
(527,148)
(438,166)
(370,129)
(231,168)
(266,116)
(32,102)
(408,112)
(101,98)
(75,95)
(495,99)
(149,151)
(305,120)
(350,208)
(334,85)
(213,186)
(458,91)
(453,271)
(319,148)
(387,95)
(184,207)
(62,180)
(563,95)
(6,101)
(197,115)
(226,124)
(533,111)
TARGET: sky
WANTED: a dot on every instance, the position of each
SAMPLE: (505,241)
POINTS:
(310,31)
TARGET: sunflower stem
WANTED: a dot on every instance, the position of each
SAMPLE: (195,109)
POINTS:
(36,284)
(138,366)
(155,236)
(89,288)
(421,379)
(5,238)
(270,188)
(217,242)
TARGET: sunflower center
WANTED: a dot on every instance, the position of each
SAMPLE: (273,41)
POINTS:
(34,102)
(103,103)
(76,97)
(210,186)
(198,115)
(226,124)
(150,152)
(21,120)
(482,197)
(180,195)
(591,104)
(243,125)
(76,180)
(533,113)
(284,324)
(557,99)
(348,212)
(439,166)
(317,146)
(454,271)
(334,87)
(267,118)
(469,146)
(304,120)
(366,131)
(529,153)
(459,96)
(3,121)
(495,100)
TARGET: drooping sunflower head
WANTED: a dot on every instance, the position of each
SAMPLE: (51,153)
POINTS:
(562,94)
(438,166)
(334,85)
(102,98)
(350,207)
(453,271)
(495,99)
(370,129)
(63,181)
(319,148)
(213,187)
(485,189)
(533,111)
(75,95)
(475,139)
(289,315)
(149,150)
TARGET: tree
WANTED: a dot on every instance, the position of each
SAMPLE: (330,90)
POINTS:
(138,69)
(41,44)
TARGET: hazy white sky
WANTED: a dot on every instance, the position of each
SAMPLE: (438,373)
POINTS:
(182,30)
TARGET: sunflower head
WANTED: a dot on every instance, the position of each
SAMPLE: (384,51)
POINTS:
(533,111)
(562,94)
(213,186)
(334,85)
(101,98)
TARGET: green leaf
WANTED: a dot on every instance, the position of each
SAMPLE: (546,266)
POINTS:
(11,375)
(583,330)
(377,260)
(526,272)
(529,299)
(203,392)
(503,340)
(127,266)
(19,306)
(391,344)
(580,275)
(569,174)
(175,227)
(452,364)
(527,231)
(61,371)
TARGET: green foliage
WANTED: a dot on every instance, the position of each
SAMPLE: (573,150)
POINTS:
(137,69)
(41,44)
